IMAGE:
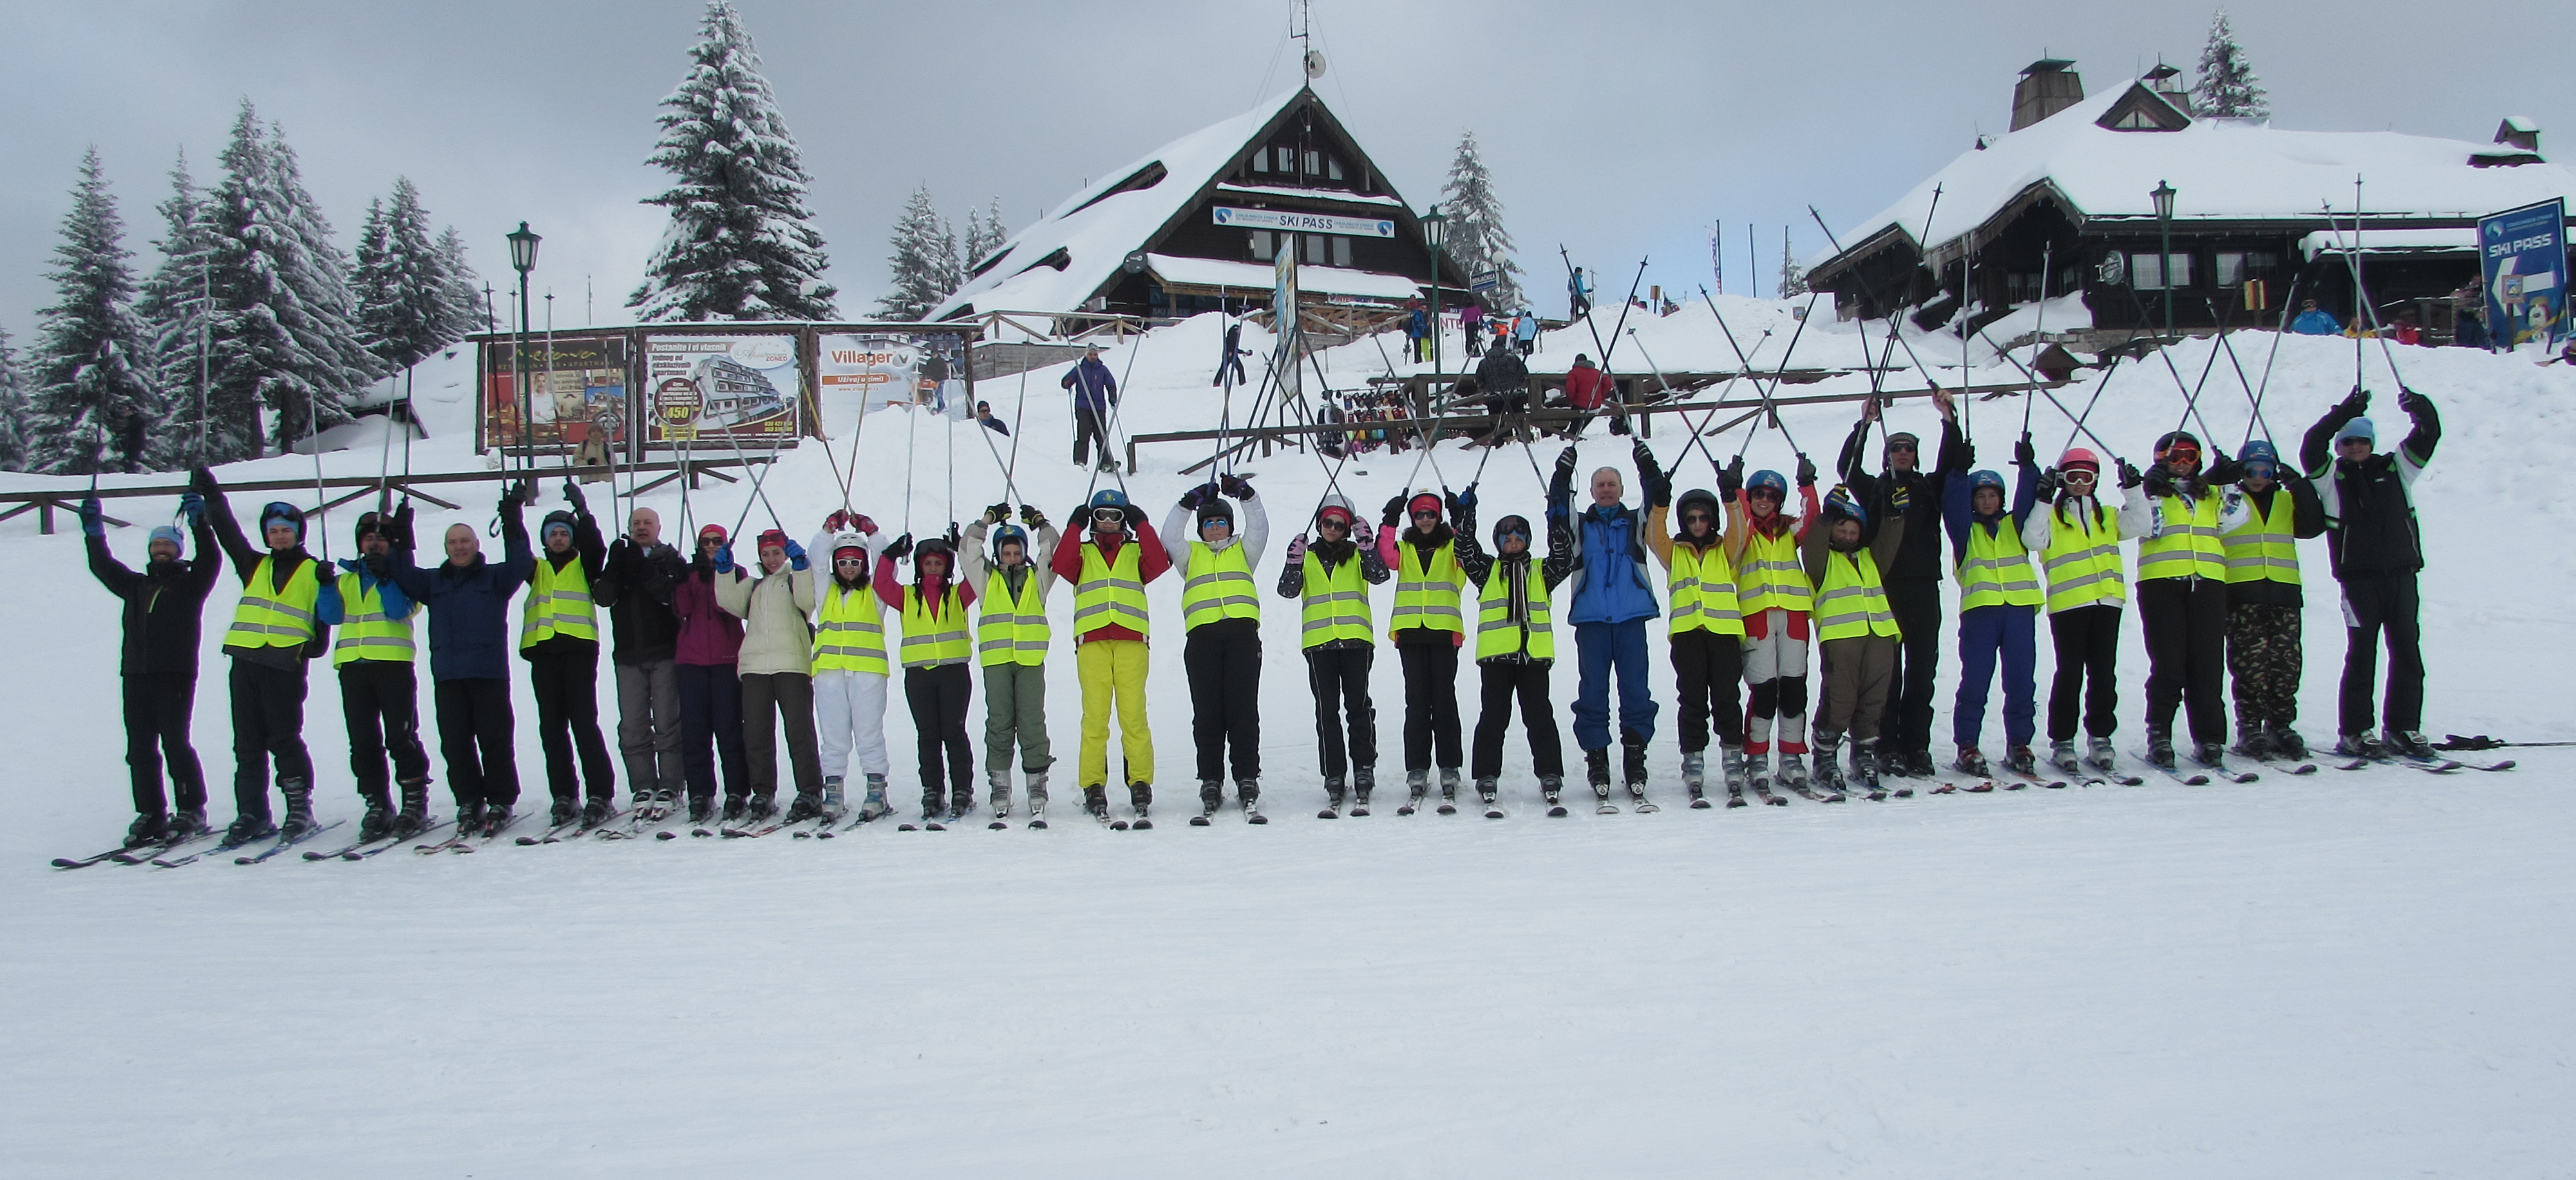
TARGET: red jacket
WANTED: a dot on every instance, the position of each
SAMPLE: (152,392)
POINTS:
(1586,388)
(1151,561)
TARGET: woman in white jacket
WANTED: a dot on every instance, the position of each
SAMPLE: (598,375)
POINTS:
(776,667)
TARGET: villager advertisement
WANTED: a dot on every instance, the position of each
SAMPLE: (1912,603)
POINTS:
(890,368)
(705,388)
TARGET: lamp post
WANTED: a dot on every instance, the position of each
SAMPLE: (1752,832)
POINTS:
(523,258)
(2163,196)
(1435,232)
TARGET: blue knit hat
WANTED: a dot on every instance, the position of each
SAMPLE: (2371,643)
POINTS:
(170,533)
(2360,428)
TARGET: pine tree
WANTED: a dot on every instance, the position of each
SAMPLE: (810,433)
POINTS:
(2226,87)
(984,234)
(1477,241)
(1793,277)
(173,307)
(461,303)
(741,244)
(924,261)
(400,282)
(94,401)
(15,407)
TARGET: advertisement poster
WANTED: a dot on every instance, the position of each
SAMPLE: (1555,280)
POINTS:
(712,387)
(578,388)
(896,368)
(2524,256)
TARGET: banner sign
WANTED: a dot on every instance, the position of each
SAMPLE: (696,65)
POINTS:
(711,387)
(897,368)
(577,387)
(2523,254)
(1312,223)
(1284,321)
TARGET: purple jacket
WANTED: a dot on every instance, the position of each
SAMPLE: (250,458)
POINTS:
(708,635)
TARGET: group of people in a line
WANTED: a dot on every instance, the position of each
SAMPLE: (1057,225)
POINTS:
(714,657)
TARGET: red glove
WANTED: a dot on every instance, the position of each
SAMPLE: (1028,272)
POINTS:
(865,525)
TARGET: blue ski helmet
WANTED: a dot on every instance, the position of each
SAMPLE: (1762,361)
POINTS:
(1109,498)
(1010,534)
(1841,503)
(2260,459)
(1767,478)
(1984,479)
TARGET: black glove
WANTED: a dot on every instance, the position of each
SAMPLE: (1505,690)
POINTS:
(1080,516)
(1394,510)
(380,566)
(997,513)
(2355,404)
(1565,461)
(901,548)
(201,480)
(1030,516)
(572,493)
(2024,455)
(402,521)
(509,505)
(1196,496)
(2221,470)
(2407,400)
(2157,481)
(1237,486)
(620,551)
(1730,480)
(2129,477)
(2045,487)
(956,539)
(1806,472)
(93,518)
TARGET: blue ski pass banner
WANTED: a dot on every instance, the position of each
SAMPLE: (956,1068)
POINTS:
(2523,253)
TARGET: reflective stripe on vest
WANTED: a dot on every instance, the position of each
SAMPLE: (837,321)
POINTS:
(2188,545)
(2083,563)
(1217,584)
(1852,602)
(1996,571)
(2264,549)
(930,640)
(1702,590)
(849,632)
(365,632)
(1336,603)
(1110,593)
(1013,628)
(1426,597)
(1497,634)
(269,617)
(558,604)
(1769,574)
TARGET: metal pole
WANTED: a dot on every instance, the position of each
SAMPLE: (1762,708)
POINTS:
(519,371)
(2164,267)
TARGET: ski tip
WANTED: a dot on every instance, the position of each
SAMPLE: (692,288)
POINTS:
(995,826)
(1328,814)
(1699,804)
(1256,818)
(1118,825)
(1556,813)
(1198,821)
(1038,824)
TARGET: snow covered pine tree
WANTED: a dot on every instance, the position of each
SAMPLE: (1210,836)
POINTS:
(13,408)
(984,234)
(2226,87)
(741,244)
(95,404)
(401,283)
(924,261)
(1477,240)
(173,309)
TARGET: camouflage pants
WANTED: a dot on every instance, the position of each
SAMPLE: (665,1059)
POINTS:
(2263,662)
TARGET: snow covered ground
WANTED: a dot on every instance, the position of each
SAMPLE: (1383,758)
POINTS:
(2347,974)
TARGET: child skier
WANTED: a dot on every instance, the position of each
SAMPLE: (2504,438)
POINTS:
(1772,587)
(2078,542)
(2182,600)
(2262,519)
(379,693)
(935,653)
(1999,597)
(1515,650)
(1330,577)
(559,638)
(1856,630)
(165,605)
(1428,626)
(1221,610)
(273,637)
(1706,631)
(1109,570)
(1011,639)
(850,668)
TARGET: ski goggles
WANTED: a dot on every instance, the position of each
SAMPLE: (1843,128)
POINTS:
(2076,475)
(1108,516)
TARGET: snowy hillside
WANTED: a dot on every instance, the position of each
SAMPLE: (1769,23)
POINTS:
(2353,974)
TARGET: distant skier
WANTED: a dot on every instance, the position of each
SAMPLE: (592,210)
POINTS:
(1578,295)
(273,638)
(165,604)
(469,661)
(1612,601)
(1427,626)
(1504,380)
(1229,361)
(1095,397)
(2315,321)
(1525,331)
(1221,611)
(1330,578)
(2262,520)
(1471,319)
(1586,391)
(2377,549)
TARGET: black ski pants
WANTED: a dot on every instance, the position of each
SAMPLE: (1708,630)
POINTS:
(268,723)
(1709,668)
(1505,682)
(2186,625)
(770,699)
(2376,605)
(1906,722)
(711,727)
(1431,705)
(2087,642)
(1339,677)
(939,696)
(1223,659)
(1089,426)
(157,711)
(474,736)
(566,682)
(380,702)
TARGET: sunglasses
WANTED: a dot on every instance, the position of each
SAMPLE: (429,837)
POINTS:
(1901,446)
(1419,513)
(849,561)
(1333,522)
(1696,518)
(1766,494)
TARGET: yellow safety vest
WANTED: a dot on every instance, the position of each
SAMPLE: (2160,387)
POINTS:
(849,631)
(269,617)
(1427,597)
(1497,634)
(2264,549)
(1770,576)
(366,633)
(2187,545)
(1217,584)
(1853,603)
(1702,591)
(1337,603)
(1013,629)
(1111,593)
(2083,561)
(1996,571)
(929,639)
(558,604)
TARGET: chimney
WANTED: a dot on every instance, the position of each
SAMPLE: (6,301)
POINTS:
(2519,131)
(2166,80)
(2047,86)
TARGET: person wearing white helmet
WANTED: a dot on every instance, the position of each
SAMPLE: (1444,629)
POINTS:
(1012,638)
(2078,542)
(850,666)
(1330,576)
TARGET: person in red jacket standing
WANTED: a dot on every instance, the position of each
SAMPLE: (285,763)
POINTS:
(1109,570)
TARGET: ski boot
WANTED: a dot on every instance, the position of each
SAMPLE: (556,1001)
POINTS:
(150,827)
(804,808)
(931,811)
(961,802)
(2098,756)
(1972,763)
(833,807)
(1417,784)
(1829,765)
(2406,743)
(187,822)
(761,806)
(596,812)
(2359,745)
(1730,766)
(415,809)
(1095,802)
(873,805)
(2061,754)
(1793,771)
(2021,760)
(2160,748)
(1363,780)
(2252,740)
(1896,761)
(1037,795)
(1549,788)
(299,807)
(1448,790)
(2287,745)
(1596,772)
(1632,761)
(702,808)
(998,780)
(1864,769)
(1141,797)
(1486,794)
(734,805)
(1695,777)
(1211,797)
(495,818)
(2210,755)
(1247,791)
(469,819)
(663,802)
(1332,800)
(563,812)
(378,822)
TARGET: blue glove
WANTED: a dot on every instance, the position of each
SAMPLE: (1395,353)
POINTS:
(724,558)
(192,506)
(795,556)
(1465,499)
(93,519)
(326,599)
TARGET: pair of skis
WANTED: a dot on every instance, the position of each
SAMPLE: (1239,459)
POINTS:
(467,840)
(140,853)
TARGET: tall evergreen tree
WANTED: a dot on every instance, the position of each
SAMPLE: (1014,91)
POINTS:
(400,282)
(984,234)
(460,301)
(15,408)
(2226,88)
(174,311)
(94,402)
(1477,241)
(741,244)
(924,261)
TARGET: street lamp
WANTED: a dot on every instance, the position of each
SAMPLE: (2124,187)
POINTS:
(2163,196)
(1435,231)
(523,258)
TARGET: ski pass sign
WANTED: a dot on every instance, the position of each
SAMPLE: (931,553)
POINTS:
(1310,223)
(2523,256)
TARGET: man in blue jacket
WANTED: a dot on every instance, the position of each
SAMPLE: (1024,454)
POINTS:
(1612,601)
(469,660)
(1095,392)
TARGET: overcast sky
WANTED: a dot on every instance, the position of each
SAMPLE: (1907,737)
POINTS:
(1621,130)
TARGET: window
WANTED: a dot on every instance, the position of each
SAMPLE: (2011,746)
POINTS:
(1287,160)
(2146,270)
(1314,162)
(1333,167)
(1314,249)
(1261,249)
(2235,267)
(1341,251)
(1261,160)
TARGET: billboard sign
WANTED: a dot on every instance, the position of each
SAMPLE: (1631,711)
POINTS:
(1312,223)
(702,387)
(578,388)
(2522,254)
(896,368)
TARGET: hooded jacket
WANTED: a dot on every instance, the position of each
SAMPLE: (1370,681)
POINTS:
(774,609)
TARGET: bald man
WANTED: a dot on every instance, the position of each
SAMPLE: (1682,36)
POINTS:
(636,586)
(470,639)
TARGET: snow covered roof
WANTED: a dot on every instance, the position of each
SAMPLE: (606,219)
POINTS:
(1095,228)
(2452,240)
(1254,276)
(1309,194)
(2223,170)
